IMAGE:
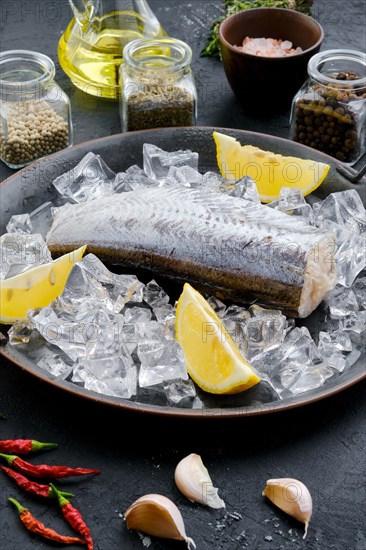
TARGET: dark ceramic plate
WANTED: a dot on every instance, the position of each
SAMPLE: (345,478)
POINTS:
(31,187)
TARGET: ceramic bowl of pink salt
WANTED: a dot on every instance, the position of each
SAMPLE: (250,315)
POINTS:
(265,53)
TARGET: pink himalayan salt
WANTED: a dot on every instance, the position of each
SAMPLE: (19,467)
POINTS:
(267,47)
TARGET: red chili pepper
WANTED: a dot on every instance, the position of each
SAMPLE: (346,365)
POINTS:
(73,517)
(35,526)
(44,470)
(24,446)
(32,487)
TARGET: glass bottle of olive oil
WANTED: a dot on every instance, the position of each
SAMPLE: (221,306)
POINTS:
(91,49)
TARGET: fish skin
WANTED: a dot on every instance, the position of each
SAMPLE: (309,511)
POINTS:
(232,247)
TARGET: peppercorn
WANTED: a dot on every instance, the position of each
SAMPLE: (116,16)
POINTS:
(326,119)
(33,130)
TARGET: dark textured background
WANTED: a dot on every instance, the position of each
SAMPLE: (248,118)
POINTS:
(323,444)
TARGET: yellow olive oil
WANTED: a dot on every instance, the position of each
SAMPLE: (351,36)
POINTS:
(92,57)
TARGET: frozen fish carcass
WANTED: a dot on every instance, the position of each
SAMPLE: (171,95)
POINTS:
(230,246)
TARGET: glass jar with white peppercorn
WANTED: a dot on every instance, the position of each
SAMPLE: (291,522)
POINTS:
(35,113)
(329,111)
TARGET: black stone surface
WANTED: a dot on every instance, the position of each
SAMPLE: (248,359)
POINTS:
(323,444)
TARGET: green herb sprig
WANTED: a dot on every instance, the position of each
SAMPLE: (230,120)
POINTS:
(212,48)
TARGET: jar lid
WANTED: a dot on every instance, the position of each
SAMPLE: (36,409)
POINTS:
(24,71)
(157,54)
(322,64)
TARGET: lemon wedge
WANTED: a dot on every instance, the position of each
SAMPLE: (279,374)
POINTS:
(213,359)
(36,287)
(270,171)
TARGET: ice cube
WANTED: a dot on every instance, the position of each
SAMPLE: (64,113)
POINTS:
(90,279)
(55,365)
(169,327)
(359,288)
(154,295)
(133,333)
(293,203)
(234,320)
(115,376)
(20,333)
(108,337)
(264,332)
(310,378)
(291,197)
(88,180)
(183,176)
(305,212)
(341,302)
(338,339)
(333,346)
(180,393)
(238,333)
(246,188)
(121,184)
(20,252)
(157,162)
(236,313)
(79,374)
(354,322)
(57,331)
(35,349)
(335,359)
(294,367)
(20,224)
(350,253)
(344,208)
(218,306)
(213,181)
(258,311)
(164,313)
(42,218)
(133,179)
(77,330)
(274,204)
(161,361)
(137,315)
(197,403)
(290,325)
(344,214)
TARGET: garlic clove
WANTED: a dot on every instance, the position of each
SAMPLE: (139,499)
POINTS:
(292,497)
(193,480)
(158,516)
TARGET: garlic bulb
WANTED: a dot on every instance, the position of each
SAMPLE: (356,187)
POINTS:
(292,497)
(193,480)
(158,516)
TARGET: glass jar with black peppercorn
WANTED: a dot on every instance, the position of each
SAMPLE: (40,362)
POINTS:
(158,88)
(35,113)
(329,111)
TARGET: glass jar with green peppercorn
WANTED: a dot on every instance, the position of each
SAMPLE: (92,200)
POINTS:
(329,111)
(34,112)
(158,88)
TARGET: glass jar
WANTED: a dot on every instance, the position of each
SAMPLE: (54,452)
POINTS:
(157,85)
(329,111)
(35,113)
